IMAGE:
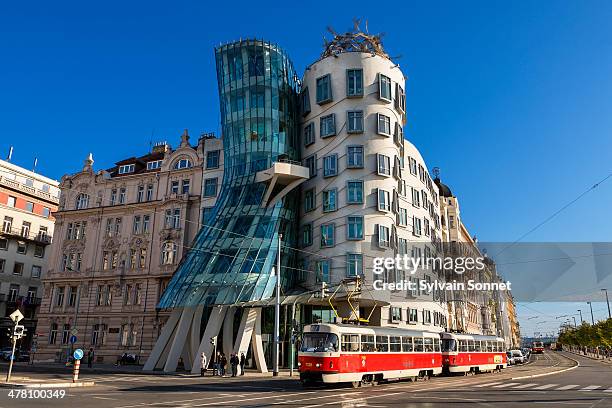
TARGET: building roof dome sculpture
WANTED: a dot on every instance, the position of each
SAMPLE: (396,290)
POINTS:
(445,190)
(354,41)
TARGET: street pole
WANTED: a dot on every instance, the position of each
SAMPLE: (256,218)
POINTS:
(591,306)
(277,310)
(581,321)
(608,302)
(574,317)
(8,375)
(291,356)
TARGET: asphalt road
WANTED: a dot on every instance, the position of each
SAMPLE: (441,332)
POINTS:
(530,385)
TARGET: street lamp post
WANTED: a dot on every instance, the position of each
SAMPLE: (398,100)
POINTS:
(276,349)
(591,306)
(580,311)
(608,302)
(574,317)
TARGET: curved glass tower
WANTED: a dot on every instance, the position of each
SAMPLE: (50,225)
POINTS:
(232,257)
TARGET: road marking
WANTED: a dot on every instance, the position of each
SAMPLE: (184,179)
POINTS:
(505,385)
(523,386)
(545,386)
(106,398)
(486,384)
(314,398)
(353,400)
(589,388)
(608,390)
(567,387)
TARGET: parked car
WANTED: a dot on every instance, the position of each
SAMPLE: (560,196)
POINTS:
(518,356)
(526,352)
(510,357)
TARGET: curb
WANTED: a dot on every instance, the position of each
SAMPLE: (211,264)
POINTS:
(605,361)
(48,385)
(551,373)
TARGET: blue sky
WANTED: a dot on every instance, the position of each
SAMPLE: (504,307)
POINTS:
(512,101)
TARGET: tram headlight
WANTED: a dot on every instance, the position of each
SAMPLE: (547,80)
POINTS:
(299,364)
(318,365)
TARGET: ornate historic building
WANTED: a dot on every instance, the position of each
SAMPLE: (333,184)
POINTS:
(120,234)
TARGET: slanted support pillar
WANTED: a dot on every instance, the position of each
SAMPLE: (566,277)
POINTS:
(165,337)
(180,338)
(258,351)
(213,326)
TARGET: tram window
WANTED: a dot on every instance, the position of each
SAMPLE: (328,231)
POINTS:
(471,345)
(428,345)
(490,346)
(406,344)
(367,343)
(319,342)
(436,344)
(500,346)
(395,344)
(418,344)
(477,345)
(350,342)
(382,343)
(463,344)
(449,345)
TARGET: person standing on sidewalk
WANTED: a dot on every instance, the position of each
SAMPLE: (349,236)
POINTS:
(242,363)
(222,364)
(90,357)
(203,364)
(234,364)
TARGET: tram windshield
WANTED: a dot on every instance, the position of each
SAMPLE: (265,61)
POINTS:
(319,342)
(449,345)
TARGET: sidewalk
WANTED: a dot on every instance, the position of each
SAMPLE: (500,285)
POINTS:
(592,356)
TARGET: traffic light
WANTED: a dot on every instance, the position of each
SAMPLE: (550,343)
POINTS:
(19,331)
(324,290)
(213,341)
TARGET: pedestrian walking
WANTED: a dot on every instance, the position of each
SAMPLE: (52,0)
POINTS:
(242,363)
(90,357)
(234,364)
(203,364)
(222,364)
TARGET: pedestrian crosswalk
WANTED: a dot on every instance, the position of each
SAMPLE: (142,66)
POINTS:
(544,387)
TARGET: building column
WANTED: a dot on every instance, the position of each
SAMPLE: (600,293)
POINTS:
(256,343)
(245,331)
(179,340)
(157,354)
(212,330)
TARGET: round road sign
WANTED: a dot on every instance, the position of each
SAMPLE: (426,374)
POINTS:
(78,354)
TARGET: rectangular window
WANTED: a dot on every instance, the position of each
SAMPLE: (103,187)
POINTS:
(324,90)
(22,247)
(309,134)
(17,268)
(354,227)
(327,235)
(140,194)
(355,122)
(426,226)
(384,200)
(384,87)
(46,212)
(354,157)
(7,225)
(72,296)
(307,235)
(330,202)
(416,197)
(136,224)
(185,184)
(384,165)
(3,243)
(11,201)
(212,159)
(398,135)
(354,82)
(323,270)
(367,343)
(127,168)
(174,187)
(29,206)
(309,200)
(25,229)
(330,165)
(400,98)
(210,187)
(396,315)
(122,193)
(311,163)
(39,251)
(328,125)
(354,192)
(305,101)
(403,217)
(416,226)
(59,296)
(145,223)
(383,236)
(354,265)
(413,316)
(152,165)
(2,264)
(384,124)
(149,192)
(382,344)
(402,246)
(113,196)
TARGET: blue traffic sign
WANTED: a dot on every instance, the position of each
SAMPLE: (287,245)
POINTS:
(78,354)
(73,339)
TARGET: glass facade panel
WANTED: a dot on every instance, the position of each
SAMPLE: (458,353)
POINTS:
(234,253)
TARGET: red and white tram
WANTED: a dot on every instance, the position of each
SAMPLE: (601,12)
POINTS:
(337,353)
(537,347)
(472,353)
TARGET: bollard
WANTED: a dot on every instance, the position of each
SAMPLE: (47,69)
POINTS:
(75,372)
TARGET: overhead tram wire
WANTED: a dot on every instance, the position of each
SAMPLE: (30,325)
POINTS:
(553,215)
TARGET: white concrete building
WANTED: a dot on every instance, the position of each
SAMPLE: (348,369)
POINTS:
(27,203)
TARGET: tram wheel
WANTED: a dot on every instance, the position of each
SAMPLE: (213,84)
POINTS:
(356,384)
